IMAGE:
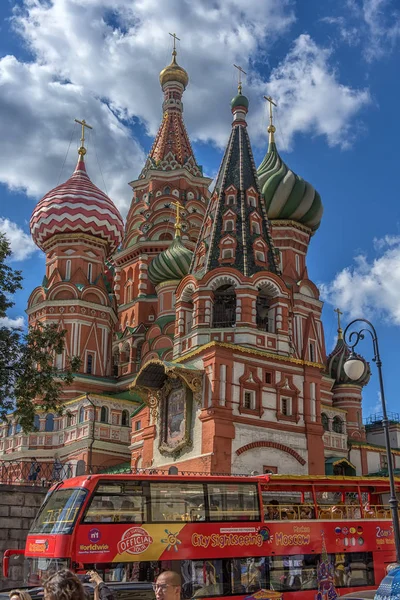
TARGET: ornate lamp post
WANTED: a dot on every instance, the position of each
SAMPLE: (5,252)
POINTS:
(354,368)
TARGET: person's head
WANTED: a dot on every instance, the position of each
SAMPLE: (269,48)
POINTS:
(19,595)
(63,585)
(33,459)
(168,586)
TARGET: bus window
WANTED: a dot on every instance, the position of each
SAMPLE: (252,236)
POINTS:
(233,502)
(59,511)
(285,506)
(183,501)
(293,572)
(248,575)
(116,502)
(353,569)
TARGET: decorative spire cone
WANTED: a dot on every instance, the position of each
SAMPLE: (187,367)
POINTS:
(235,230)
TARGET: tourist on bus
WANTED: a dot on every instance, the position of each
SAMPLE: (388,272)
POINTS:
(168,586)
(19,595)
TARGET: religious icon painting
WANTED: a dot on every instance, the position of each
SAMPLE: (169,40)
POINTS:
(175,416)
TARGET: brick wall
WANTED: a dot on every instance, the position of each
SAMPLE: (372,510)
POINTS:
(18,507)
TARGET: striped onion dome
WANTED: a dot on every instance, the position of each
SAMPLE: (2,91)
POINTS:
(172,263)
(77,206)
(335,364)
(288,196)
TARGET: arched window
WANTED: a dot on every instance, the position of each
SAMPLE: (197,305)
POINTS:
(18,428)
(224,314)
(89,272)
(68,270)
(115,363)
(104,414)
(69,419)
(125,418)
(139,349)
(9,429)
(165,236)
(260,256)
(89,364)
(255,228)
(167,191)
(325,421)
(49,423)
(36,423)
(228,226)
(337,425)
(264,320)
(81,416)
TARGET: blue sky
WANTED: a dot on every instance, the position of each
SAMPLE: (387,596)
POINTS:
(331,66)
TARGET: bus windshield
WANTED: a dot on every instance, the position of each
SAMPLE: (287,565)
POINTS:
(59,511)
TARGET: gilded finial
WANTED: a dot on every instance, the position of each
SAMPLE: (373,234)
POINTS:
(340,330)
(82,149)
(271,127)
(174,49)
(240,71)
(178,226)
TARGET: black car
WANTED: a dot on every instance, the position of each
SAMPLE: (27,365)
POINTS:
(121,590)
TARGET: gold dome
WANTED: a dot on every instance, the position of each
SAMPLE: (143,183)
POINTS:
(174,73)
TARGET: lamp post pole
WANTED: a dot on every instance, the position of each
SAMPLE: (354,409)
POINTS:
(90,457)
(351,340)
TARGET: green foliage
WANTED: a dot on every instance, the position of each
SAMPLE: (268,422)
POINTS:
(29,379)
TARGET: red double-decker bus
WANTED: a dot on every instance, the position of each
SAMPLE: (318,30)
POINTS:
(227,536)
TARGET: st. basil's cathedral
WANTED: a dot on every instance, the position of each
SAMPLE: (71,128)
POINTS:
(197,324)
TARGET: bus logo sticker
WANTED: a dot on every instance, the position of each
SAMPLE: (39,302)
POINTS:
(94,535)
(134,541)
(171,540)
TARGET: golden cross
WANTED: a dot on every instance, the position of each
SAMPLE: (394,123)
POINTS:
(82,149)
(340,330)
(175,38)
(271,128)
(178,226)
(240,71)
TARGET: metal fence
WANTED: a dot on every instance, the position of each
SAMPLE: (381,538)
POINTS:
(38,473)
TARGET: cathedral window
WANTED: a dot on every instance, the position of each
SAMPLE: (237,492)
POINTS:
(260,256)
(264,320)
(125,418)
(224,313)
(139,348)
(268,377)
(49,423)
(115,363)
(297,263)
(104,414)
(89,364)
(89,272)
(286,407)
(325,421)
(59,362)
(68,270)
(18,428)
(312,351)
(165,236)
(81,416)
(9,429)
(228,226)
(230,200)
(36,423)
(255,228)
(337,425)
(252,201)
(138,425)
(167,191)
(249,400)
(227,253)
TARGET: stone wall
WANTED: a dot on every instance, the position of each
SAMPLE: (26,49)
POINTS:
(18,507)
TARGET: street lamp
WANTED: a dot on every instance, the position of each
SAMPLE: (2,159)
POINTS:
(354,368)
(90,457)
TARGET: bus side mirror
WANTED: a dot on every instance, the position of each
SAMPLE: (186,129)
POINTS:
(6,559)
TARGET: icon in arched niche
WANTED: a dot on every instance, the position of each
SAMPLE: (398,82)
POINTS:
(175,416)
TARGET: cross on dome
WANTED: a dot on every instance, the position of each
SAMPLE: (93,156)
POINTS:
(340,330)
(240,71)
(82,149)
(178,226)
(271,127)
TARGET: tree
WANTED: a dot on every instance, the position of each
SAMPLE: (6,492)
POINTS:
(29,378)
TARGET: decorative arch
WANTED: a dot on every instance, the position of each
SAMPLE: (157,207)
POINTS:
(98,294)
(220,280)
(59,290)
(265,444)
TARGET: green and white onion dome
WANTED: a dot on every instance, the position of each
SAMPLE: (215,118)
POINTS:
(171,264)
(288,196)
(335,364)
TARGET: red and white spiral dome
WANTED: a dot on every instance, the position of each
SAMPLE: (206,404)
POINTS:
(77,206)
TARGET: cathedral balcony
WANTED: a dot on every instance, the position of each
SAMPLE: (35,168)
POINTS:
(335,441)
(335,430)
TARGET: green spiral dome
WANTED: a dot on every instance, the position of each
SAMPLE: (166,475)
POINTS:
(335,364)
(288,196)
(172,263)
(239,100)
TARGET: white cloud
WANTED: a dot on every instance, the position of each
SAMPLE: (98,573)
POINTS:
(17,323)
(369,288)
(304,85)
(100,60)
(21,243)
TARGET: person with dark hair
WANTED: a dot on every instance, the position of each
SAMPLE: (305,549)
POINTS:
(19,595)
(168,586)
(63,585)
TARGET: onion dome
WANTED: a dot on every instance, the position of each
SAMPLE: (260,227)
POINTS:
(173,263)
(287,195)
(77,206)
(174,73)
(335,364)
(239,100)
